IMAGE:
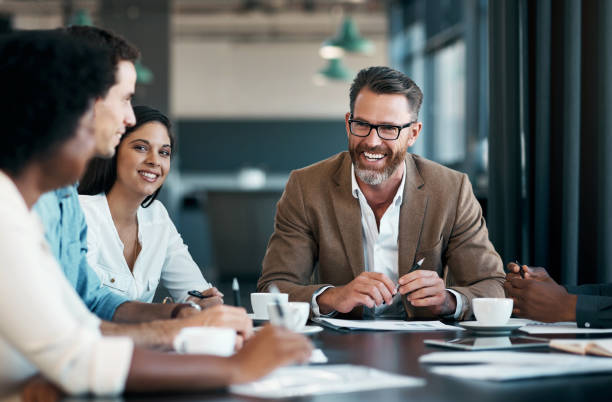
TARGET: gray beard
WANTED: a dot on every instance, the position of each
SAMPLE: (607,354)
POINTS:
(376,177)
(372,177)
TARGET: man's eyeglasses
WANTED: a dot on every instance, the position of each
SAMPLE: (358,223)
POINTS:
(385,131)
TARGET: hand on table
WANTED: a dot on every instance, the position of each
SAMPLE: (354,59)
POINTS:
(213,298)
(425,288)
(540,299)
(38,389)
(270,348)
(221,316)
(368,289)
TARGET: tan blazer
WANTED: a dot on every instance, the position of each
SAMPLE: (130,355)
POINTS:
(318,228)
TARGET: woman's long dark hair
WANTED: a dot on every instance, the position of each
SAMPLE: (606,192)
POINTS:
(101,173)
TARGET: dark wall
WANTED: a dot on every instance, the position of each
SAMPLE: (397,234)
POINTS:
(276,146)
(146,24)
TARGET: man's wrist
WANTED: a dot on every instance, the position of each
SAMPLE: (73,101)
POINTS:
(325,301)
(185,309)
(570,311)
(453,304)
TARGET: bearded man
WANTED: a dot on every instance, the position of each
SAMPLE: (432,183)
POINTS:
(350,230)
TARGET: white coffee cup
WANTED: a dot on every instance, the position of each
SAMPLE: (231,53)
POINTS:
(492,311)
(260,301)
(206,341)
(295,315)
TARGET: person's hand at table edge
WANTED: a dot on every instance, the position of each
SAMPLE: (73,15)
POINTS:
(368,289)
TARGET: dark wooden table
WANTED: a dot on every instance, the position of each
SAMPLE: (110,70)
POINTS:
(398,352)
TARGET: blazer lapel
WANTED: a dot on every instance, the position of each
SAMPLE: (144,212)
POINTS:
(348,215)
(412,213)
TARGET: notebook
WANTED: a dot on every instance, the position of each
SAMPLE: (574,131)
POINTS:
(598,347)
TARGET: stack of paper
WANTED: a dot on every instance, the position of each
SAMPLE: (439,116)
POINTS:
(386,325)
(504,366)
(290,382)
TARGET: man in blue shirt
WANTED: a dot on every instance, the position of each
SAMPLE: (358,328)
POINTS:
(66,228)
(66,231)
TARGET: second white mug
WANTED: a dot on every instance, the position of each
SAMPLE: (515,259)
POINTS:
(295,315)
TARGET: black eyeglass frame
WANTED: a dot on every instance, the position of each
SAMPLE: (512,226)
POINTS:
(375,126)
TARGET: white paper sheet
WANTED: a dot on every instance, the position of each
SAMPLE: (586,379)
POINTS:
(537,327)
(290,382)
(505,366)
(388,325)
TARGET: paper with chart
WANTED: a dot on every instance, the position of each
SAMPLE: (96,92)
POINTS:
(538,327)
(387,325)
(505,366)
(289,382)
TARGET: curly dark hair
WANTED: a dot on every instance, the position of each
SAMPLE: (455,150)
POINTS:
(48,81)
(101,173)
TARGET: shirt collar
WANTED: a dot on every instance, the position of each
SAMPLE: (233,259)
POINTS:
(66,192)
(397,200)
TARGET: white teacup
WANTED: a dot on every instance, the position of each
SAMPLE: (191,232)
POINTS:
(492,311)
(260,301)
(295,315)
(206,341)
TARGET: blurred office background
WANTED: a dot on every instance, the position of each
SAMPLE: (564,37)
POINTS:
(518,94)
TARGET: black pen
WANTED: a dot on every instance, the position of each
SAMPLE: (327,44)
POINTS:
(236,290)
(521,270)
(198,294)
(414,268)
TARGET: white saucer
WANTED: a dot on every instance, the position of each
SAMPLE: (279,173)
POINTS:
(307,330)
(310,329)
(475,326)
(253,317)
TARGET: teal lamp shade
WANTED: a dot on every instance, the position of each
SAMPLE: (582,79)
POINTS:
(348,39)
(334,71)
(143,74)
(81,18)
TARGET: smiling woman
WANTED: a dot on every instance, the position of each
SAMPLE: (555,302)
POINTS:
(132,243)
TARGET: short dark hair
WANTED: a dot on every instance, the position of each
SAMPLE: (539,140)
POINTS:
(101,173)
(385,80)
(119,49)
(48,82)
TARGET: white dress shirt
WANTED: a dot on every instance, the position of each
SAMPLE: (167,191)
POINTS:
(44,325)
(380,249)
(163,255)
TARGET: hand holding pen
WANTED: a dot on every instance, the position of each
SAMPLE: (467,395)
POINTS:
(425,288)
(413,268)
(526,272)
(208,298)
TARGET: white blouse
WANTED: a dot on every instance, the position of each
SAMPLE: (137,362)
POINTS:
(44,325)
(163,255)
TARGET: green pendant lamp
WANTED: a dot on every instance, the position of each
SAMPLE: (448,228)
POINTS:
(334,71)
(80,17)
(144,75)
(348,40)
